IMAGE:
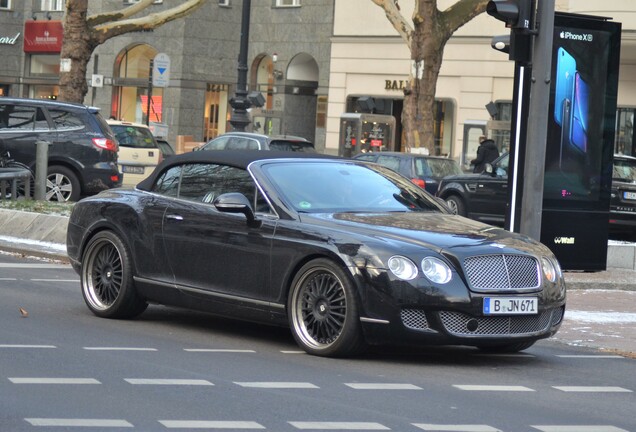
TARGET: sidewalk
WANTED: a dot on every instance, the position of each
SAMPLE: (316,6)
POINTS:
(601,306)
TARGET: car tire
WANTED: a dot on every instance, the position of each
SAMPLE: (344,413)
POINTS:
(456,204)
(62,184)
(106,278)
(323,311)
(507,348)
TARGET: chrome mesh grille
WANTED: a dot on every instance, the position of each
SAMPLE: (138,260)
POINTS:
(414,319)
(457,324)
(502,272)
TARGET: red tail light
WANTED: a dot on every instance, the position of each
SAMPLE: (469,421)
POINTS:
(105,144)
(419,182)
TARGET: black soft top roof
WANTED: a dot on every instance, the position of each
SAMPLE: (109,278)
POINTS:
(235,158)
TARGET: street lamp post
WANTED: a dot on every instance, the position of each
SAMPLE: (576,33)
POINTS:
(240,103)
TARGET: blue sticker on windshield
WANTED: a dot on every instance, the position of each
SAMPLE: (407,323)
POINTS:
(304,205)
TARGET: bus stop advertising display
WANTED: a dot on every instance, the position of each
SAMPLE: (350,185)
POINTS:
(580,140)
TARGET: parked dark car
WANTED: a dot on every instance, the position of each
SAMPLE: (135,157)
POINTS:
(623,196)
(484,196)
(82,157)
(254,141)
(344,252)
(424,171)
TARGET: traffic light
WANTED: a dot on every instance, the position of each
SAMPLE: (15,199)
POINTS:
(518,16)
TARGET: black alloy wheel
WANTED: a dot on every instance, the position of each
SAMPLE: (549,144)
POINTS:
(456,204)
(323,311)
(106,277)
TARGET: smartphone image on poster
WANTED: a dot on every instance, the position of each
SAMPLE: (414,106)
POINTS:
(566,69)
(579,121)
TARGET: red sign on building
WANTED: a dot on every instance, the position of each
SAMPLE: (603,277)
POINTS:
(43,36)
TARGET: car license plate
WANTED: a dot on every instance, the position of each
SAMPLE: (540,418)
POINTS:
(511,306)
(629,195)
(128,169)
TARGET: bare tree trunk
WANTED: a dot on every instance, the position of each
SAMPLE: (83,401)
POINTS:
(77,47)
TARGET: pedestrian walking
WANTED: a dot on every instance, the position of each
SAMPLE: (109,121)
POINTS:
(486,153)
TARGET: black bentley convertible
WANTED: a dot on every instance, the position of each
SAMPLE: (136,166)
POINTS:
(346,253)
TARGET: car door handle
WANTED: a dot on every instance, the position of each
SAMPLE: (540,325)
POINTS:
(174,217)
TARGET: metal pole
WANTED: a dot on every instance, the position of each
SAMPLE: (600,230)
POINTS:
(41,169)
(149,92)
(240,103)
(534,167)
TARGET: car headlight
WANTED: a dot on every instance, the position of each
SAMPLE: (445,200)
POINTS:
(402,267)
(436,270)
(551,269)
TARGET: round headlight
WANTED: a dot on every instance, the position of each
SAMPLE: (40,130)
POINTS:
(436,270)
(402,267)
(551,269)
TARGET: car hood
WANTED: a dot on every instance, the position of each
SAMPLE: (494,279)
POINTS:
(435,231)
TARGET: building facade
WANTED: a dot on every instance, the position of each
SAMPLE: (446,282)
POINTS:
(289,54)
(313,61)
(369,59)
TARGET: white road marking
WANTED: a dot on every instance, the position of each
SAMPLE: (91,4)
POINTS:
(277,385)
(207,424)
(493,388)
(586,356)
(54,381)
(292,352)
(35,265)
(592,389)
(27,346)
(119,349)
(455,428)
(382,386)
(338,426)
(219,350)
(8,279)
(78,422)
(56,280)
(582,428)
(153,381)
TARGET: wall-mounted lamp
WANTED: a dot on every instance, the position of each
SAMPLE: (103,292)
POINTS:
(48,15)
(34,17)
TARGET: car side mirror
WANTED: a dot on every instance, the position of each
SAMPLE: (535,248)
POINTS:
(235,202)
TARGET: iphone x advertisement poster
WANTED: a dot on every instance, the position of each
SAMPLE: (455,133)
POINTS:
(582,106)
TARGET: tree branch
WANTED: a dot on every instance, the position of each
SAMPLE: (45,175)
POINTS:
(107,30)
(97,19)
(395,17)
(460,13)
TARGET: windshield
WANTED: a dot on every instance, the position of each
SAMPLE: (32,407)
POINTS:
(131,136)
(318,187)
(298,146)
(624,170)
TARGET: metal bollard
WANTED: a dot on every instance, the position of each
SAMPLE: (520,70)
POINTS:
(41,168)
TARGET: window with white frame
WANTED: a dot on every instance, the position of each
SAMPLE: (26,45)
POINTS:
(224,2)
(5,4)
(52,5)
(287,3)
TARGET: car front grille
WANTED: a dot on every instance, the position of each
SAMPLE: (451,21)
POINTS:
(414,319)
(461,324)
(502,272)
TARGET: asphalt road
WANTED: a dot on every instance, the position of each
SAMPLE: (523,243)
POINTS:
(61,368)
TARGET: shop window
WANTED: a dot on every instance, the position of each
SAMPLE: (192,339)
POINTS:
(130,95)
(216,112)
(624,143)
(5,4)
(321,112)
(287,3)
(52,5)
(44,65)
(224,3)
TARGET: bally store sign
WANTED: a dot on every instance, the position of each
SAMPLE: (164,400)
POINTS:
(43,36)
